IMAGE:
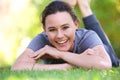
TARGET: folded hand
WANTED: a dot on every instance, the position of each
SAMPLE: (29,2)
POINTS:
(46,51)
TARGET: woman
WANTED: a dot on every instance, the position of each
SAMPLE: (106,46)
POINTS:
(63,46)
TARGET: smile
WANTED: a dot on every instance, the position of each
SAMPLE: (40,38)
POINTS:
(62,42)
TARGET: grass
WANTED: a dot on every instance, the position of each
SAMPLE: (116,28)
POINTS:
(73,74)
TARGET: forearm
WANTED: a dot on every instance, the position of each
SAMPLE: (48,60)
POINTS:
(98,59)
(85,61)
(22,66)
(24,62)
(37,66)
(52,66)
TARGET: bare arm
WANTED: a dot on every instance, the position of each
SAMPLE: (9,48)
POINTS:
(63,66)
(25,62)
(96,57)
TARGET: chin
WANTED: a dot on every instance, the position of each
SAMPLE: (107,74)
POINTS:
(63,50)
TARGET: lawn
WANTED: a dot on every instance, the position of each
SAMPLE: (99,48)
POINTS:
(73,74)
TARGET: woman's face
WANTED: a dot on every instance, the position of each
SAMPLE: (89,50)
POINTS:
(60,30)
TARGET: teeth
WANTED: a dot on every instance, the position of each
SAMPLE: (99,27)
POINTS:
(62,42)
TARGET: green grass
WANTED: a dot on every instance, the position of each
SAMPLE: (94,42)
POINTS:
(73,74)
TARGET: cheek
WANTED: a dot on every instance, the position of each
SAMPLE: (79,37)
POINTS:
(71,33)
(72,36)
(51,37)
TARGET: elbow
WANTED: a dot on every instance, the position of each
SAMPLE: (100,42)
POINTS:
(104,65)
(22,66)
(15,68)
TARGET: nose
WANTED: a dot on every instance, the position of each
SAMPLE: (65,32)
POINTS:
(60,34)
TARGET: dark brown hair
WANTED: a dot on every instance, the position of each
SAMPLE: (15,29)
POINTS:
(57,6)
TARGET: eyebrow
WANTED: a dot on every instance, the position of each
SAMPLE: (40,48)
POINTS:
(64,24)
(51,27)
(60,26)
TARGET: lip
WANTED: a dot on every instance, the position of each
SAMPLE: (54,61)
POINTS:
(61,42)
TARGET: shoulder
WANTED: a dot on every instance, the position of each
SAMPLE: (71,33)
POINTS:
(41,37)
(39,41)
(43,34)
(86,39)
(84,32)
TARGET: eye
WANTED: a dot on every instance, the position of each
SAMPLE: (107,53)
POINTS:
(52,30)
(65,27)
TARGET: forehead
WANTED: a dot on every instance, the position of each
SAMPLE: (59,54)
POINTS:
(58,18)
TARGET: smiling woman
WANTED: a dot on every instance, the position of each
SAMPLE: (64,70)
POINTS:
(64,44)
(62,32)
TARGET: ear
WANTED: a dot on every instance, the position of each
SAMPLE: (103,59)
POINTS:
(76,22)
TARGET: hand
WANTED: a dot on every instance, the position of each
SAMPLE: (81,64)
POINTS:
(72,3)
(47,50)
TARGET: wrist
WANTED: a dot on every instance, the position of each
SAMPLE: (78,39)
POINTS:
(69,66)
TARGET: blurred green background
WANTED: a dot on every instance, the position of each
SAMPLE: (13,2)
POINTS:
(19,23)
